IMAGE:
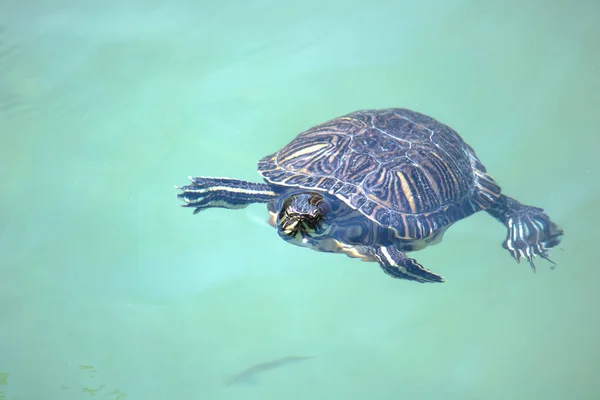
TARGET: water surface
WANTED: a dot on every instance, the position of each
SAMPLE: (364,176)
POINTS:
(109,289)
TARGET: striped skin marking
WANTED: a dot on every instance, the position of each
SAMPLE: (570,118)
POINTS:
(399,266)
(290,227)
(488,188)
(331,245)
(530,232)
(489,191)
(515,234)
(216,204)
(210,192)
(354,252)
(526,239)
(231,190)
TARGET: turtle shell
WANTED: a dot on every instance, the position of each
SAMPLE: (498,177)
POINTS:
(399,168)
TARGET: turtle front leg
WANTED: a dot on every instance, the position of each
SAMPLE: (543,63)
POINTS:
(208,192)
(397,265)
(531,233)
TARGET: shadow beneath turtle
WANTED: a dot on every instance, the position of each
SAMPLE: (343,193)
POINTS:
(250,375)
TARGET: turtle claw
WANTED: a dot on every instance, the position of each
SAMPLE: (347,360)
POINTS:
(531,233)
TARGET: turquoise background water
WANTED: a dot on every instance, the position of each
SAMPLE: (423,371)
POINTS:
(109,289)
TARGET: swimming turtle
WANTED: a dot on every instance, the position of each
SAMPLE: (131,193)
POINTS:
(375,184)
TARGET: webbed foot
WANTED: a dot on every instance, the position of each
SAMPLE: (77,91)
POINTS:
(531,233)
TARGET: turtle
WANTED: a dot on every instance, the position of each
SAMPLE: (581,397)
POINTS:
(376,184)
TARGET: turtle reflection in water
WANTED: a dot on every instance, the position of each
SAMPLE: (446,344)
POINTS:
(375,184)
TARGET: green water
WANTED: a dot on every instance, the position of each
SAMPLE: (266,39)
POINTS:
(110,290)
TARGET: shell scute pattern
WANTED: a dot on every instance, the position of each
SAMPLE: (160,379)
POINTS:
(356,168)
(379,145)
(317,154)
(401,169)
(351,194)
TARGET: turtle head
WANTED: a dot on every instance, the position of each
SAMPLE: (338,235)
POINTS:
(304,218)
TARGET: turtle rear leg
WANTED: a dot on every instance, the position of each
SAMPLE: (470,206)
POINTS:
(208,192)
(531,233)
(397,265)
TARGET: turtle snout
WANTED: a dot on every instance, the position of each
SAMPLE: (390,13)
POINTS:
(290,227)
